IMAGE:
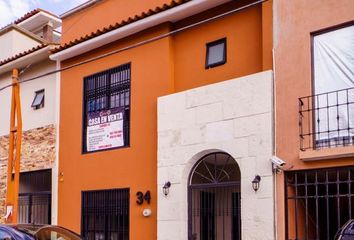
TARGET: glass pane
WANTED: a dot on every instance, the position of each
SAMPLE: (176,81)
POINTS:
(216,53)
(38,99)
(127,98)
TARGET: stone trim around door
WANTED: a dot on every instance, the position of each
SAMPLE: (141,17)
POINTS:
(234,117)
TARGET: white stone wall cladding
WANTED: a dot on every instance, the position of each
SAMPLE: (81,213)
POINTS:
(233,116)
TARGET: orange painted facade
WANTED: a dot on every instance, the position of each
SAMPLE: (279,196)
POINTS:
(169,65)
(102,14)
(241,60)
(294,21)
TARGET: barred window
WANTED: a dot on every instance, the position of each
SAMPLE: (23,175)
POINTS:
(318,202)
(107,109)
(105,214)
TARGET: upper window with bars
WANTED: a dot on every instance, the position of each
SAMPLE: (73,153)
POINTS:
(107,109)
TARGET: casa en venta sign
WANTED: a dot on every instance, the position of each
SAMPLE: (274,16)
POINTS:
(105,129)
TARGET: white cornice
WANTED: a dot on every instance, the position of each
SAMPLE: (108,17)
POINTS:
(24,61)
(172,15)
(79,8)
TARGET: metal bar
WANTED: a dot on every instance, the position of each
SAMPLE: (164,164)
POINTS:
(205,177)
(327,207)
(322,197)
(296,193)
(300,125)
(306,210)
(349,193)
(324,107)
(30,208)
(338,202)
(338,132)
(35,193)
(309,121)
(214,185)
(215,167)
(328,128)
(318,121)
(222,211)
(286,205)
(317,225)
(223,167)
(319,94)
(348,115)
(190,214)
(211,175)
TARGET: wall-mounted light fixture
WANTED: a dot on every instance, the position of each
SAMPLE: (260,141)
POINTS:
(255,183)
(166,188)
(61,176)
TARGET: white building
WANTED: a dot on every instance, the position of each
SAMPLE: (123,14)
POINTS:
(25,45)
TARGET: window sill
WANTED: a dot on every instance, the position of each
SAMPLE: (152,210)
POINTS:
(327,153)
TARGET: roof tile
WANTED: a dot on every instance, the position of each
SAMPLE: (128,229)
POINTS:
(122,23)
(32,13)
(28,15)
(19,55)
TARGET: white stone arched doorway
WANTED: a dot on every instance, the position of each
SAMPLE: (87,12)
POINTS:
(214,198)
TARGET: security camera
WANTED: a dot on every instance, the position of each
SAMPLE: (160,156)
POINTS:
(278,165)
(277,161)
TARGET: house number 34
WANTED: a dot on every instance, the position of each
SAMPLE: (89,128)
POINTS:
(141,197)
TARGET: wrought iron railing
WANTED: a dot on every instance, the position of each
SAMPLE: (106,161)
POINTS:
(327,120)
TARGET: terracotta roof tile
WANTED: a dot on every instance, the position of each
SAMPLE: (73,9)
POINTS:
(19,55)
(32,13)
(26,16)
(122,23)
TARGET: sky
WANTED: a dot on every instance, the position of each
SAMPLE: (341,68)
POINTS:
(10,10)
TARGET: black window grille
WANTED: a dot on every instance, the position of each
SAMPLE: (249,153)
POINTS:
(214,199)
(318,202)
(108,90)
(105,214)
(34,203)
(35,208)
(326,120)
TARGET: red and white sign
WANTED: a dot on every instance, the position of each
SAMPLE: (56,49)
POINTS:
(105,129)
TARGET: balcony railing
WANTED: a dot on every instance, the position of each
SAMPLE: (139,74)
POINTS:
(327,120)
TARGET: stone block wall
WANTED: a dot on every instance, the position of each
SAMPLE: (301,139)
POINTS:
(38,152)
(233,116)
